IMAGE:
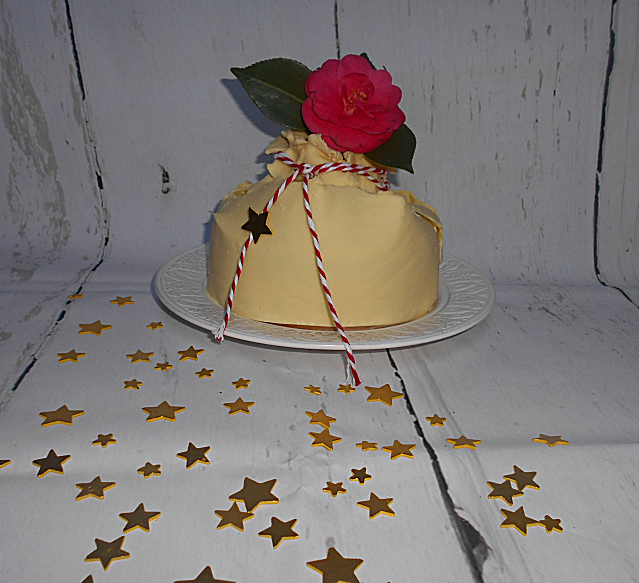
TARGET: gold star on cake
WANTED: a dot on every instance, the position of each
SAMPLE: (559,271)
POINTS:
(194,455)
(104,439)
(4,463)
(321,418)
(551,524)
(335,568)
(140,356)
(51,463)
(155,325)
(139,518)
(71,356)
(399,449)
(523,479)
(334,488)
(239,406)
(367,445)
(255,493)
(518,520)
(206,576)
(190,353)
(63,416)
(162,411)
(504,491)
(436,420)
(256,224)
(93,489)
(107,552)
(377,506)
(75,296)
(205,373)
(463,441)
(241,383)
(233,517)
(279,531)
(149,469)
(325,439)
(359,475)
(346,389)
(134,384)
(550,440)
(163,366)
(384,394)
(313,390)
(122,301)
(96,328)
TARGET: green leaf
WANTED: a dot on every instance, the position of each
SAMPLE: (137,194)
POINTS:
(397,152)
(277,87)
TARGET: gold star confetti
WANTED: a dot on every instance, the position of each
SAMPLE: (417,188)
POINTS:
(163,366)
(550,440)
(504,491)
(334,488)
(63,416)
(104,440)
(325,439)
(436,420)
(190,353)
(139,518)
(518,520)
(384,394)
(523,479)
(335,568)
(71,356)
(241,383)
(463,441)
(134,384)
(206,576)
(279,531)
(162,411)
(75,296)
(122,301)
(96,328)
(149,469)
(51,463)
(93,489)
(313,390)
(367,445)
(359,475)
(377,506)
(233,517)
(205,373)
(4,463)
(155,325)
(140,356)
(321,418)
(255,493)
(346,389)
(551,524)
(194,455)
(239,406)
(399,449)
(256,224)
(107,552)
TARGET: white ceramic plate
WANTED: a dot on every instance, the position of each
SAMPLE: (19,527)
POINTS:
(465,299)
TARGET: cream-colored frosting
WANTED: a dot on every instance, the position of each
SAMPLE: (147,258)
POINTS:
(381,249)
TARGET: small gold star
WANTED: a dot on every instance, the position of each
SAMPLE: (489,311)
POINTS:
(334,488)
(134,384)
(518,520)
(194,455)
(140,356)
(71,356)
(205,373)
(239,406)
(384,394)
(335,568)
(367,445)
(359,475)
(463,441)
(206,576)
(377,506)
(88,579)
(255,493)
(436,420)
(149,469)
(96,328)
(75,296)
(104,440)
(279,531)
(155,325)
(51,463)
(63,416)
(162,411)
(523,479)
(550,440)
(120,301)
(139,518)
(256,224)
(107,552)
(504,491)
(313,390)
(321,418)
(190,353)
(399,449)
(241,383)
(163,366)
(551,524)
(233,517)
(346,389)
(4,463)
(93,489)
(325,439)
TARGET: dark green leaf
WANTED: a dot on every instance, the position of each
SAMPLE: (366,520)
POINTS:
(398,151)
(277,87)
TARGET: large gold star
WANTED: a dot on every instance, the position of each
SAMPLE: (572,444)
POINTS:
(190,353)
(140,356)
(335,568)
(550,440)
(96,328)
(163,366)
(122,301)
(93,489)
(162,411)
(313,390)
(255,493)
(359,475)
(239,406)
(51,463)
(104,439)
(436,420)
(518,520)
(139,518)
(134,384)
(334,488)
(384,394)
(206,576)
(463,441)
(233,517)
(321,418)
(205,373)
(149,469)
(399,449)
(279,531)
(367,445)
(377,506)
(325,439)
(551,524)
(256,224)
(194,455)
(241,383)
(63,415)
(107,552)
(523,479)
(346,389)
(71,356)
(4,463)
(504,491)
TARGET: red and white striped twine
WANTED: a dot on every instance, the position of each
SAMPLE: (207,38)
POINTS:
(308,172)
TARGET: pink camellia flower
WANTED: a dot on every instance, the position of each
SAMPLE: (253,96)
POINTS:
(352,105)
